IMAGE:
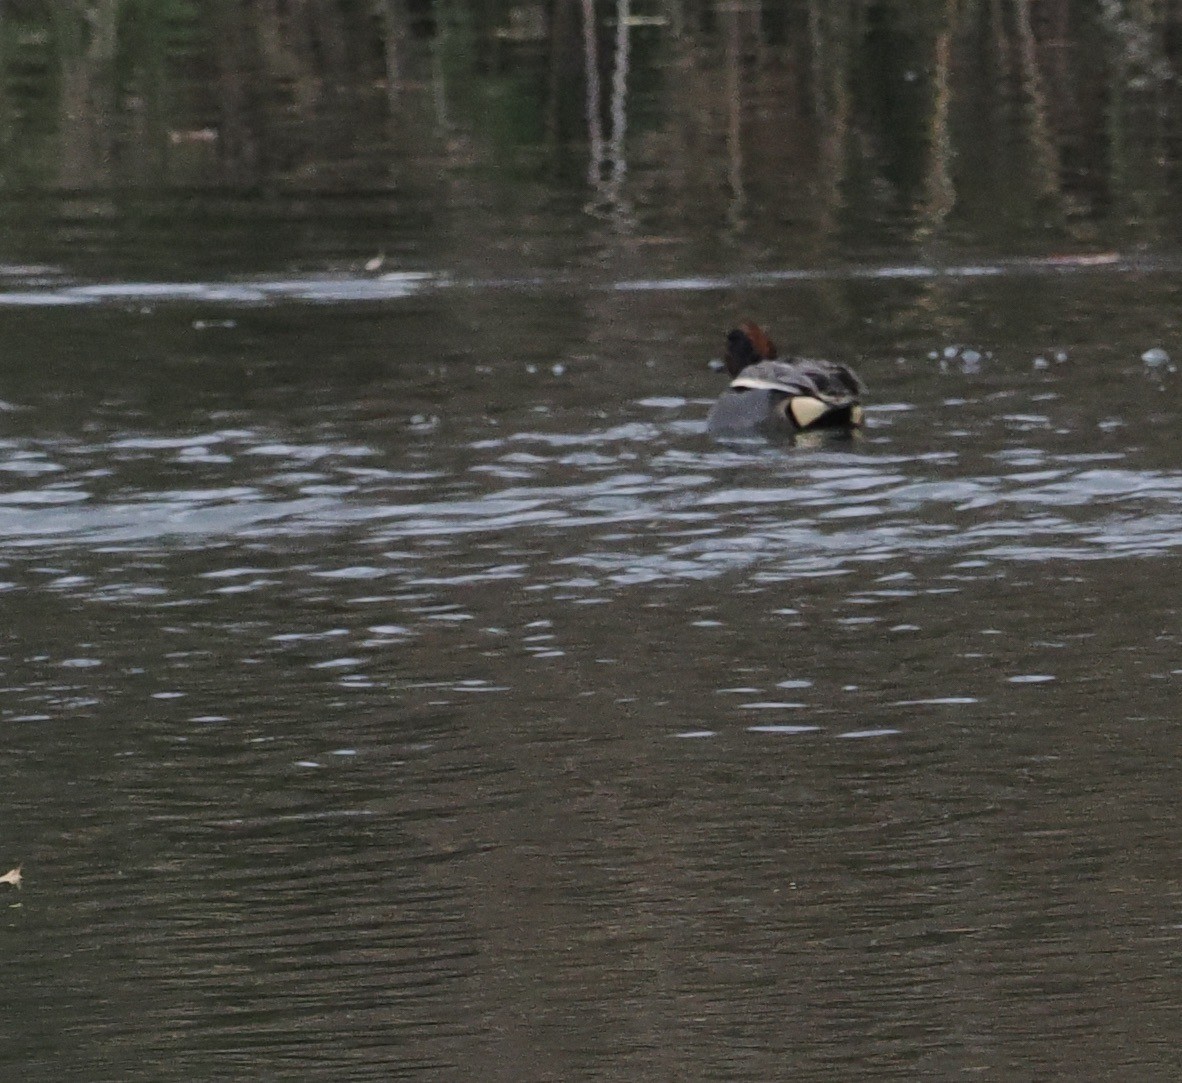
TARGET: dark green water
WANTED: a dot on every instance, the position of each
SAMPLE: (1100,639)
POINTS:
(398,683)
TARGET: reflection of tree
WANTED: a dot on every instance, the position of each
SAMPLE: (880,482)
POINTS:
(393,21)
(591,69)
(88,42)
(829,36)
(1141,110)
(1044,154)
(617,154)
(736,113)
(734,126)
(239,150)
(941,191)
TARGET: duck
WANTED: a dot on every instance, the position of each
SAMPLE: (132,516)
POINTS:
(768,395)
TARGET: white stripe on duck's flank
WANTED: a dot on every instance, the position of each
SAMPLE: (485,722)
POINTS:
(757,383)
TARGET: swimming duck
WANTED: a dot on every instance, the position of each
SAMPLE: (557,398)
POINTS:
(769,395)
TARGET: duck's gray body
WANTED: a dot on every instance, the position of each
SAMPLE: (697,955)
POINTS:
(787,396)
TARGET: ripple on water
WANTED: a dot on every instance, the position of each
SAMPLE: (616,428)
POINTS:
(783,728)
(581,497)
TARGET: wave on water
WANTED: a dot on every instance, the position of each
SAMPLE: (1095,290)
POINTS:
(46,286)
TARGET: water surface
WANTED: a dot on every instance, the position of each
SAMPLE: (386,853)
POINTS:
(400,684)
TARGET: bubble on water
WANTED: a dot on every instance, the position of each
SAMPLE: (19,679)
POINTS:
(1041,363)
(1155,356)
(558,369)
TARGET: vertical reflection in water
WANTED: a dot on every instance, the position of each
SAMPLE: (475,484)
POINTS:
(87,94)
(941,191)
(1000,42)
(1141,114)
(1046,158)
(831,95)
(393,35)
(676,16)
(237,143)
(619,114)
(594,125)
(438,81)
(734,128)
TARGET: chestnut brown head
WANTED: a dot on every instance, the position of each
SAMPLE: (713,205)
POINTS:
(747,344)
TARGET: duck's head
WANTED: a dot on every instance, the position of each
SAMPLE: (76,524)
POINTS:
(747,344)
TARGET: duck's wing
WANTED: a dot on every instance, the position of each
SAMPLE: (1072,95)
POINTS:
(828,381)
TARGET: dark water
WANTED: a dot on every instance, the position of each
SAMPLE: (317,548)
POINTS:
(398,683)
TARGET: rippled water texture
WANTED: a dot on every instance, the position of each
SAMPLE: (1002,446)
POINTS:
(397,680)
(368,708)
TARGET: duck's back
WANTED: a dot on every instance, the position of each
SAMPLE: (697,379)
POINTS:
(798,394)
(828,381)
